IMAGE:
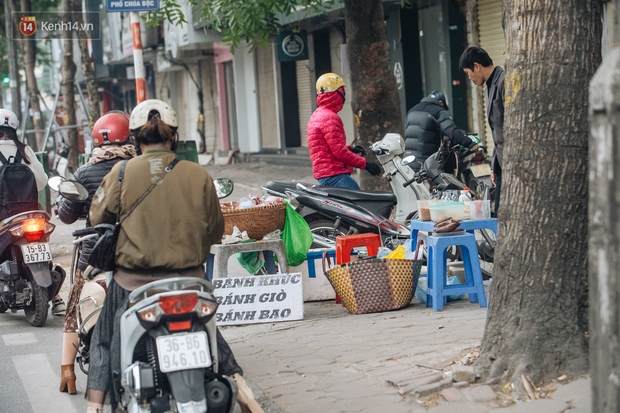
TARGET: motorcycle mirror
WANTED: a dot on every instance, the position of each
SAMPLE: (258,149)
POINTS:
(223,187)
(55,182)
(72,190)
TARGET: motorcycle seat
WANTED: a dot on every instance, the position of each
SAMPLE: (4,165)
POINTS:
(357,195)
(281,187)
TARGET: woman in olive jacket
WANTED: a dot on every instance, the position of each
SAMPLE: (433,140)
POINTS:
(168,235)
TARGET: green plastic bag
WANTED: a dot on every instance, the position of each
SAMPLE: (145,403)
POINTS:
(250,261)
(296,237)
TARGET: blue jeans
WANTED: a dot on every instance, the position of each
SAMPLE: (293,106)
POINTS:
(342,181)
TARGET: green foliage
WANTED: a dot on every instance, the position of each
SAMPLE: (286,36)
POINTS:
(170,10)
(236,20)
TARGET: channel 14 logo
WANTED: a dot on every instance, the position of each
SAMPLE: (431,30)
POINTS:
(28,25)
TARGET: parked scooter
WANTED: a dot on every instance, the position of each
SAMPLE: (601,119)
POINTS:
(28,279)
(474,170)
(333,211)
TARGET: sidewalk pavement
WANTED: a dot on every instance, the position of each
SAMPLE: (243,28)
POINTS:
(397,361)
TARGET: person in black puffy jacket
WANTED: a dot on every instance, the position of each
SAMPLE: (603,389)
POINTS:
(110,137)
(427,122)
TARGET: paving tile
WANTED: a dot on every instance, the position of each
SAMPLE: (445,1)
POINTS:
(480,393)
(460,407)
(432,388)
(578,393)
(452,394)
(536,406)
(421,381)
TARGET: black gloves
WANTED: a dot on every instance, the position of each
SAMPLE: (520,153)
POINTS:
(373,168)
(358,150)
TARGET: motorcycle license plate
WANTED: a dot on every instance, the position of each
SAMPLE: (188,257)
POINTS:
(481,170)
(183,351)
(36,252)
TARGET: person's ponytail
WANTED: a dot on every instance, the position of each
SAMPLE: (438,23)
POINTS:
(155,131)
(21,147)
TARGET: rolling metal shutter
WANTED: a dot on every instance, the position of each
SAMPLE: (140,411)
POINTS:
(491,32)
(304,98)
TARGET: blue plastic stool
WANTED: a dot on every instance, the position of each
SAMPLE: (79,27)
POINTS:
(317,255)
(437,289)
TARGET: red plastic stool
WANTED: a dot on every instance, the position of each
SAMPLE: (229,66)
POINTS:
(346,243)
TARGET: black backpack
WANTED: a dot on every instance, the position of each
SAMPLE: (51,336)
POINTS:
(18,187)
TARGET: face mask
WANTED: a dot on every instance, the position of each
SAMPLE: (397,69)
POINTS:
(342,94)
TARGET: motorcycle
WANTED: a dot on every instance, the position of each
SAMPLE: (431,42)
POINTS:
(28,279)
(475,170)
(169,357)
(331,211)
(94,289)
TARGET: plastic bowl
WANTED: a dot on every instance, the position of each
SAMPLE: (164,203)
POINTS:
(443,210)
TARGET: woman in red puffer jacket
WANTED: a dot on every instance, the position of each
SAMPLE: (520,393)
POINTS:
(332,159)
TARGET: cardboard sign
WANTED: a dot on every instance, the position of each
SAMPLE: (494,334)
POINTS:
(259,299)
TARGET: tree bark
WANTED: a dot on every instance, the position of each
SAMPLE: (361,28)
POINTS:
(29,49)
(67,72)
(88,65)
(371,77)
(9,8)
(538,315)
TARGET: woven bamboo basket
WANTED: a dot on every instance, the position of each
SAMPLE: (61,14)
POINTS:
(257,221)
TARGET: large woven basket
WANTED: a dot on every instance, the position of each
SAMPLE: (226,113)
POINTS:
(257,221)
(374,285)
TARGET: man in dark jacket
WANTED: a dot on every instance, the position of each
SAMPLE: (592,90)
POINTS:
(423,134)
(478,66)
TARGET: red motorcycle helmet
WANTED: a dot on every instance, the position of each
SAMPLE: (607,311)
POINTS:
(111,128)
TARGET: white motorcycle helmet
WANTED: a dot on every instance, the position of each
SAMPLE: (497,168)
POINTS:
(8,119)
(140,114)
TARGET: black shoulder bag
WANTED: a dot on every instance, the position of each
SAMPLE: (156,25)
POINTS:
(103,254)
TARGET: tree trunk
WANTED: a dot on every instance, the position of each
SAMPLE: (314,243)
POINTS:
(29,49)
(371,77)
(88,65)
(9,8)
(538,315)
(67,72)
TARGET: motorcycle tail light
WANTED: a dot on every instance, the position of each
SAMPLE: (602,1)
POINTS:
(150,314)
(178,304)
(206,308)
(179,325)
(33,229)
(478,158)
